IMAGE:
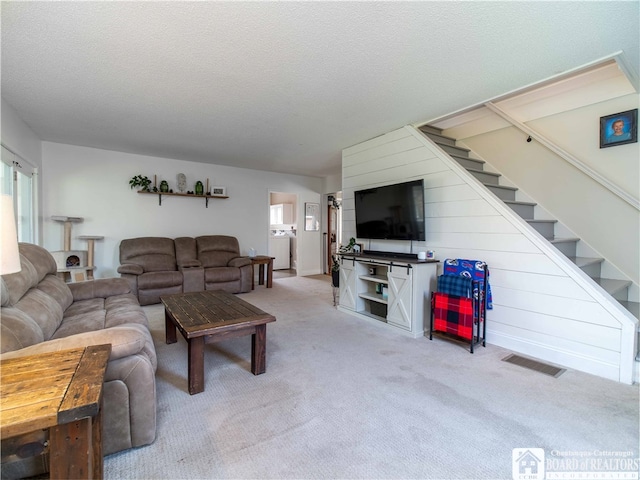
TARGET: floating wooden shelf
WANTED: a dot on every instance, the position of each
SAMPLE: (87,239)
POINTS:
(191,195)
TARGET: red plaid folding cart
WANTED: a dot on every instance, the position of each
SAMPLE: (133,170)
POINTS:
(459,306)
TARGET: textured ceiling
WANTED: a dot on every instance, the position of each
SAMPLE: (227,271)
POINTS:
(282,86)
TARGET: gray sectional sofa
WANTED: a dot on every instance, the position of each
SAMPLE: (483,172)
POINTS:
(41,313)
(156,266)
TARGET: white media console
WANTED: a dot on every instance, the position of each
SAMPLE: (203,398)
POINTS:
(395,290)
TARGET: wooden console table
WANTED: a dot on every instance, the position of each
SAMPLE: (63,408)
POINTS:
(60,391)
(262,260)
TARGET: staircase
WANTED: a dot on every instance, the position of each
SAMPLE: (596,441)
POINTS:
(618,289)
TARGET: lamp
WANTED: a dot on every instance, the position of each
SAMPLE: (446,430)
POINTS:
(9,253)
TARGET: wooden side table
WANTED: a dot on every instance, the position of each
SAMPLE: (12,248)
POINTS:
(61,391)
(262,260)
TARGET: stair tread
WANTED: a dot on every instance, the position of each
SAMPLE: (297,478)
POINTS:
(466,151)
(584,261)
(428,128)
(518,202)
(477,170)
(438,135)
(633,307)
(564,239)
(536,220)
(503,187)
(612,285)
(467,158)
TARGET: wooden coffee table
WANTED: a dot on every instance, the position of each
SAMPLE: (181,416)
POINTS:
(60,391)
(212,316)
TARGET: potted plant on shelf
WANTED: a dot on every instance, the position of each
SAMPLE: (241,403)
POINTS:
(140,181)
(335,261)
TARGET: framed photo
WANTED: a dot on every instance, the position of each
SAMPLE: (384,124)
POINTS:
(219,191)
(312,217)
(619,129)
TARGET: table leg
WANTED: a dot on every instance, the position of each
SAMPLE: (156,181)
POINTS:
(261,274)
(96,442)
(169,329)
(71,451)
(196,365)
(253,275)
(270,273)
(259,350)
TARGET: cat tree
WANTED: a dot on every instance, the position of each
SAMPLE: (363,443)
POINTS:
(75,265)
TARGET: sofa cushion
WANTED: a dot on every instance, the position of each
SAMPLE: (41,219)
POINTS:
(18,330)
(186,252)
(43,309)
(217,250)
(87,315)
(221,274)
(88,321)
(154,254)
(154,280)
(15,285)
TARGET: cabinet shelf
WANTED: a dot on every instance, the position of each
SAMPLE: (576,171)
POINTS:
(374,297)
(375,278)
(191,195)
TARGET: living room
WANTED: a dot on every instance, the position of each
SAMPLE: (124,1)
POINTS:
(79,177)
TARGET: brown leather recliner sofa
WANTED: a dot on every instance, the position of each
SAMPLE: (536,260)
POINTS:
(41,313)
(156,266)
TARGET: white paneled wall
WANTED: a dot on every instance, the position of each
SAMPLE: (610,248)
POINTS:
(544,306)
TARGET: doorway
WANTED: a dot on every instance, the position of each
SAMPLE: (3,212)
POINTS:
(283,229)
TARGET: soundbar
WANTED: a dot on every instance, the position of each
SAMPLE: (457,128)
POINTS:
(378,253)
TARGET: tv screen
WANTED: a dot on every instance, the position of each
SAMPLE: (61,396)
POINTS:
(391,212)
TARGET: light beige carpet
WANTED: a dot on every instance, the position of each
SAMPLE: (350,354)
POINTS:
(347,398)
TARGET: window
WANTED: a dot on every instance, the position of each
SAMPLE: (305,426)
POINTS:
(16,179)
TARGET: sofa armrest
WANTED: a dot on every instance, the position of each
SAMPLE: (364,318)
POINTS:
(131,269)
(239,262)
(100,288)
(125,340)
(189,264)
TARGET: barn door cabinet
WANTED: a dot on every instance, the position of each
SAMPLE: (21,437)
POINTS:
(388,290)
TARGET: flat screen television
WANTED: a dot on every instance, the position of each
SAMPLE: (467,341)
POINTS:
(391,212)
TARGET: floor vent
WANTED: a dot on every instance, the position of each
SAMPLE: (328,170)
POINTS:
(534,365)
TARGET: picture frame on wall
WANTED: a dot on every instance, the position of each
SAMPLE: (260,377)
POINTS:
(219,191)
(619,129)
(312,217)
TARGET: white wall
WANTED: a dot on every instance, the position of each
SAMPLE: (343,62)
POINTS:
(544,306)
(94,184)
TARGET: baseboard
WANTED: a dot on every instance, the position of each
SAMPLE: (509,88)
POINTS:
(559,357)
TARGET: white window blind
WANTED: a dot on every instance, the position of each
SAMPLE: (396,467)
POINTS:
(17,177)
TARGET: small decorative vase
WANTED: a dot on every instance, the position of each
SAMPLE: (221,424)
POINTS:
(199,188)
(164,186)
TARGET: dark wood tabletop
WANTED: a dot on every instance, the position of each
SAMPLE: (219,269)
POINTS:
(198,313)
